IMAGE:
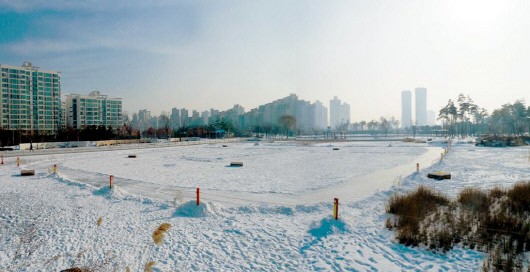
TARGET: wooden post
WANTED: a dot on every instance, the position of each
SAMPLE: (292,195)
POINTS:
(2,160)
(18,161)
(417,167)
(55,168)
(110,179)
(336,209)
(198,196)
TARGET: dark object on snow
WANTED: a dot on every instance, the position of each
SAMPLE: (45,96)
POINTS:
(131,156)
(335,148)
(27,172)
(76,269)
(225,145)
(502,141)
(236,164)
(439,175)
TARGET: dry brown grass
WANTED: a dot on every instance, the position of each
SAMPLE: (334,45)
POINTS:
(160,233)
(520,197)
(149,266)
(494,220)
(411,209)
(474,200)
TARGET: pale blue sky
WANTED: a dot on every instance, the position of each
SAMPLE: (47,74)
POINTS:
(213,54)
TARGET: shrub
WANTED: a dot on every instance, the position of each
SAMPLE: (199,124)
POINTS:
(519,197)
(497,220)
(411,209)
(474,200)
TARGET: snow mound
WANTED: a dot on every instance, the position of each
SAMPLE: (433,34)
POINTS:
(190,209)
(327,227)
(106,191)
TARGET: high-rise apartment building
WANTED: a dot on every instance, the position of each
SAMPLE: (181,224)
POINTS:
(421,106)
(175,118)
(339,113)
(320,115)
(93,110)
(406,109)
(31,99)
(184,119)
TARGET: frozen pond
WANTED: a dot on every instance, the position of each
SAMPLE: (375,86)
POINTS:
(271,170)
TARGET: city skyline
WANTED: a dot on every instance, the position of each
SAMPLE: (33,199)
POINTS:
(211,55)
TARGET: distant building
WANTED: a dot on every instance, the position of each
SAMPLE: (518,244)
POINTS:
(94,109)
(205,116)
(235,116)
(308,116)
(175,118)
(164,120)
(406,109)
(214,115)
(421,106)
(339,113)
(431,118)
(320,116)
(144,118)
(31,99)
(184,119)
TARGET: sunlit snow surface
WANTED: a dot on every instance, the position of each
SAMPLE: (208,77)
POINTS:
(238,226)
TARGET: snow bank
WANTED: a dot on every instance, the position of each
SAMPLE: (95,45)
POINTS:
(190,209)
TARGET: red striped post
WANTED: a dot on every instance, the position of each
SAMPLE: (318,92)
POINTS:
(55,168)
(198,196)
(110,179)
(336,209)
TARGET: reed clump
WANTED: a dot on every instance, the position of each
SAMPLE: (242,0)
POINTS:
(495,221)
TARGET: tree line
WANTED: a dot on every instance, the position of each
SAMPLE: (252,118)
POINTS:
(463,117)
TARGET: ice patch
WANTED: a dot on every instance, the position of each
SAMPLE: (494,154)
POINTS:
(190,209)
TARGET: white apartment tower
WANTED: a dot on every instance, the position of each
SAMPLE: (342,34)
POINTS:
(93,110)
(406,109)
(421,106)
(320,116)
(339,113)
(31,99)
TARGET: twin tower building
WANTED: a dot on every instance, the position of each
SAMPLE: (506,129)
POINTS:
(420,95)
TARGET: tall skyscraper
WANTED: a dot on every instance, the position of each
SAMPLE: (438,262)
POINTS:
(31,99)
(421,106)
(406,109)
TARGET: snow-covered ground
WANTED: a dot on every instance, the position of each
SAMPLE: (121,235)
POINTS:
(274,213)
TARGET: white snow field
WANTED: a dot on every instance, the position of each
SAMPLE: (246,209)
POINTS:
(272,214)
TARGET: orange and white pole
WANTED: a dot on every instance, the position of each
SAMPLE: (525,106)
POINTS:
(110,180)
(198,196)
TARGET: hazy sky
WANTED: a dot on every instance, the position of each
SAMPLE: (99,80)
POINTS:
(214,54)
